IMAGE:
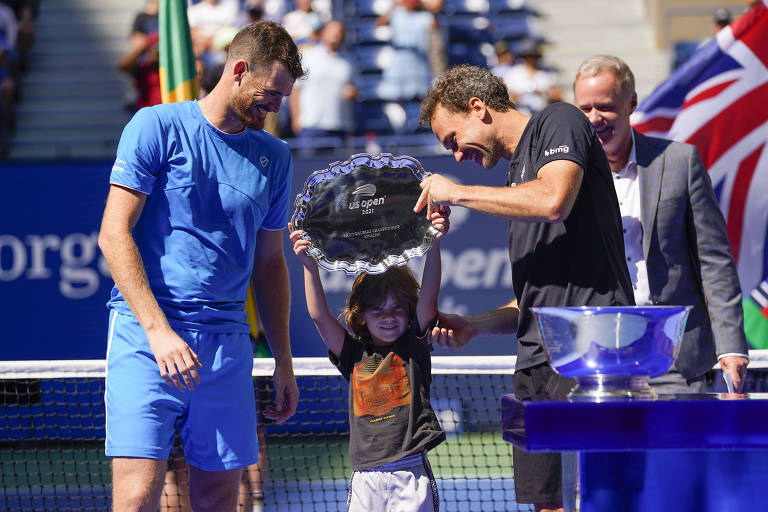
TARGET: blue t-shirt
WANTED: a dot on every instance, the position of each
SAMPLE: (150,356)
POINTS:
(208,194)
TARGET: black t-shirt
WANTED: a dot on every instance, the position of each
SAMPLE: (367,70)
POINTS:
(390,415)
(577,262)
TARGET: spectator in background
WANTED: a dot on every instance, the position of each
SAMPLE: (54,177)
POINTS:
(409,74)
(721,18)
(531,86)
(25,12)
(7,94)
(505,59)
(142,60)
(303,23)
(220,44)
(9,28)
(683,50)
(317,24)
(205,19)
(270,10)
(321,104)
(250,12)
(8,76)
(438,57)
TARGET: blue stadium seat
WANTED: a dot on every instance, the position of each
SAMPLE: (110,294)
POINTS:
(466,7)
(510,27)
(369,7)
(412,109)
(508,6)
(368,86)
(467,29)
(372,116)
(466,53)
(372,58)
(364,31)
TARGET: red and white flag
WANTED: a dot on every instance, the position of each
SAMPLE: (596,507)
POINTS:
(718,101)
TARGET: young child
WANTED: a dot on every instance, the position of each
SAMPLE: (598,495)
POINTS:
(386,360)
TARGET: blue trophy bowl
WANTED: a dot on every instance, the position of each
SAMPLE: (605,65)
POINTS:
(611,352)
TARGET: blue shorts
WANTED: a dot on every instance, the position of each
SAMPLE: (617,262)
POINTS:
(216,420)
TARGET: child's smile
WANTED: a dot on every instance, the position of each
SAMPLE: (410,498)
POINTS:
(386,322)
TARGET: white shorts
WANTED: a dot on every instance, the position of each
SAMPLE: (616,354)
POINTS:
(406,484)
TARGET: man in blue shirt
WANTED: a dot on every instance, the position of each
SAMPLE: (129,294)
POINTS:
(198,199)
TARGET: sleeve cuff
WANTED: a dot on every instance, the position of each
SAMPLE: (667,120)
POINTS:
(733,354)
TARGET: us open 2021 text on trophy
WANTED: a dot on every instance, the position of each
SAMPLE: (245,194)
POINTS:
(359,215)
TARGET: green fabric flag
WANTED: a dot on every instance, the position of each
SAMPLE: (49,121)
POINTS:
(755,323)
(178,74)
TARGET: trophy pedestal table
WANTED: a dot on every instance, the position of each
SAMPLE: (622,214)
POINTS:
(702,452)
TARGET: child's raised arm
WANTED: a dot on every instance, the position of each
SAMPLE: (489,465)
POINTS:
(426,307)
(327,325)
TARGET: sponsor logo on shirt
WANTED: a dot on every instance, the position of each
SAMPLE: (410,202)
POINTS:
(559,149)
(118,167)
(264,161)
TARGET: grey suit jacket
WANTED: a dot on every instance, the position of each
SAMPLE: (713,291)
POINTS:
(687,252)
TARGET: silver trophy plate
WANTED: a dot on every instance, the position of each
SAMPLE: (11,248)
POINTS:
(359,215)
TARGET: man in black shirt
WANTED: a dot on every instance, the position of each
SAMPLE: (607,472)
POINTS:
(565,241)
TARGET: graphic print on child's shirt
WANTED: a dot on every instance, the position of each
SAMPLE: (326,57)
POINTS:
(379,385)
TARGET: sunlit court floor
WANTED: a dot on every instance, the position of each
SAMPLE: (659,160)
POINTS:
(473,471)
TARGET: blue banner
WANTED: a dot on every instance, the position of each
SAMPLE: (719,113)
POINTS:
(54,282)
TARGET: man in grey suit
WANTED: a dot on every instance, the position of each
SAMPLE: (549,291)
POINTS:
(675,239)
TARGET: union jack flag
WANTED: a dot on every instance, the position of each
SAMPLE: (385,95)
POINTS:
(718,101)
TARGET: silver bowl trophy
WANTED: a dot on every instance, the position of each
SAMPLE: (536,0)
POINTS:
(612,352)
(359,215)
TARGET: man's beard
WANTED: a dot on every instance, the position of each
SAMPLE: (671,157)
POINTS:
(243,112)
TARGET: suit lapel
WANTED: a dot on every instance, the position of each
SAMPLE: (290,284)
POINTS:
(649,171)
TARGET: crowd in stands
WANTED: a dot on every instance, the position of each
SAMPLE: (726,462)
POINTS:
(370,62)
(17,32)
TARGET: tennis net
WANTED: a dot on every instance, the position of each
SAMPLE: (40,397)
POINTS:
(52,439)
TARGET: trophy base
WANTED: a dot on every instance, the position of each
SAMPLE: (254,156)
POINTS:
(607,388)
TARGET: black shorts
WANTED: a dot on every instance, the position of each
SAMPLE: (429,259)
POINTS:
(538,476)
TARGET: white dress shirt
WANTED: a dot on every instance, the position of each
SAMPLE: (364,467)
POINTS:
(628,193)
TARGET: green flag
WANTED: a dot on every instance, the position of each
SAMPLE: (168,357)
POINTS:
(178,75)
(756,316)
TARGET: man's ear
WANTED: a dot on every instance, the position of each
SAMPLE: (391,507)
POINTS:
(633,101)
(477,107)
(239,70)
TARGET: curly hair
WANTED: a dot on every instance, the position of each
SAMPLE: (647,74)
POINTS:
(454,88)
(371,290)
(262,43)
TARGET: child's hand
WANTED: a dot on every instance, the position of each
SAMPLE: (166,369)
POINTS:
(301,248)
(439,217)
